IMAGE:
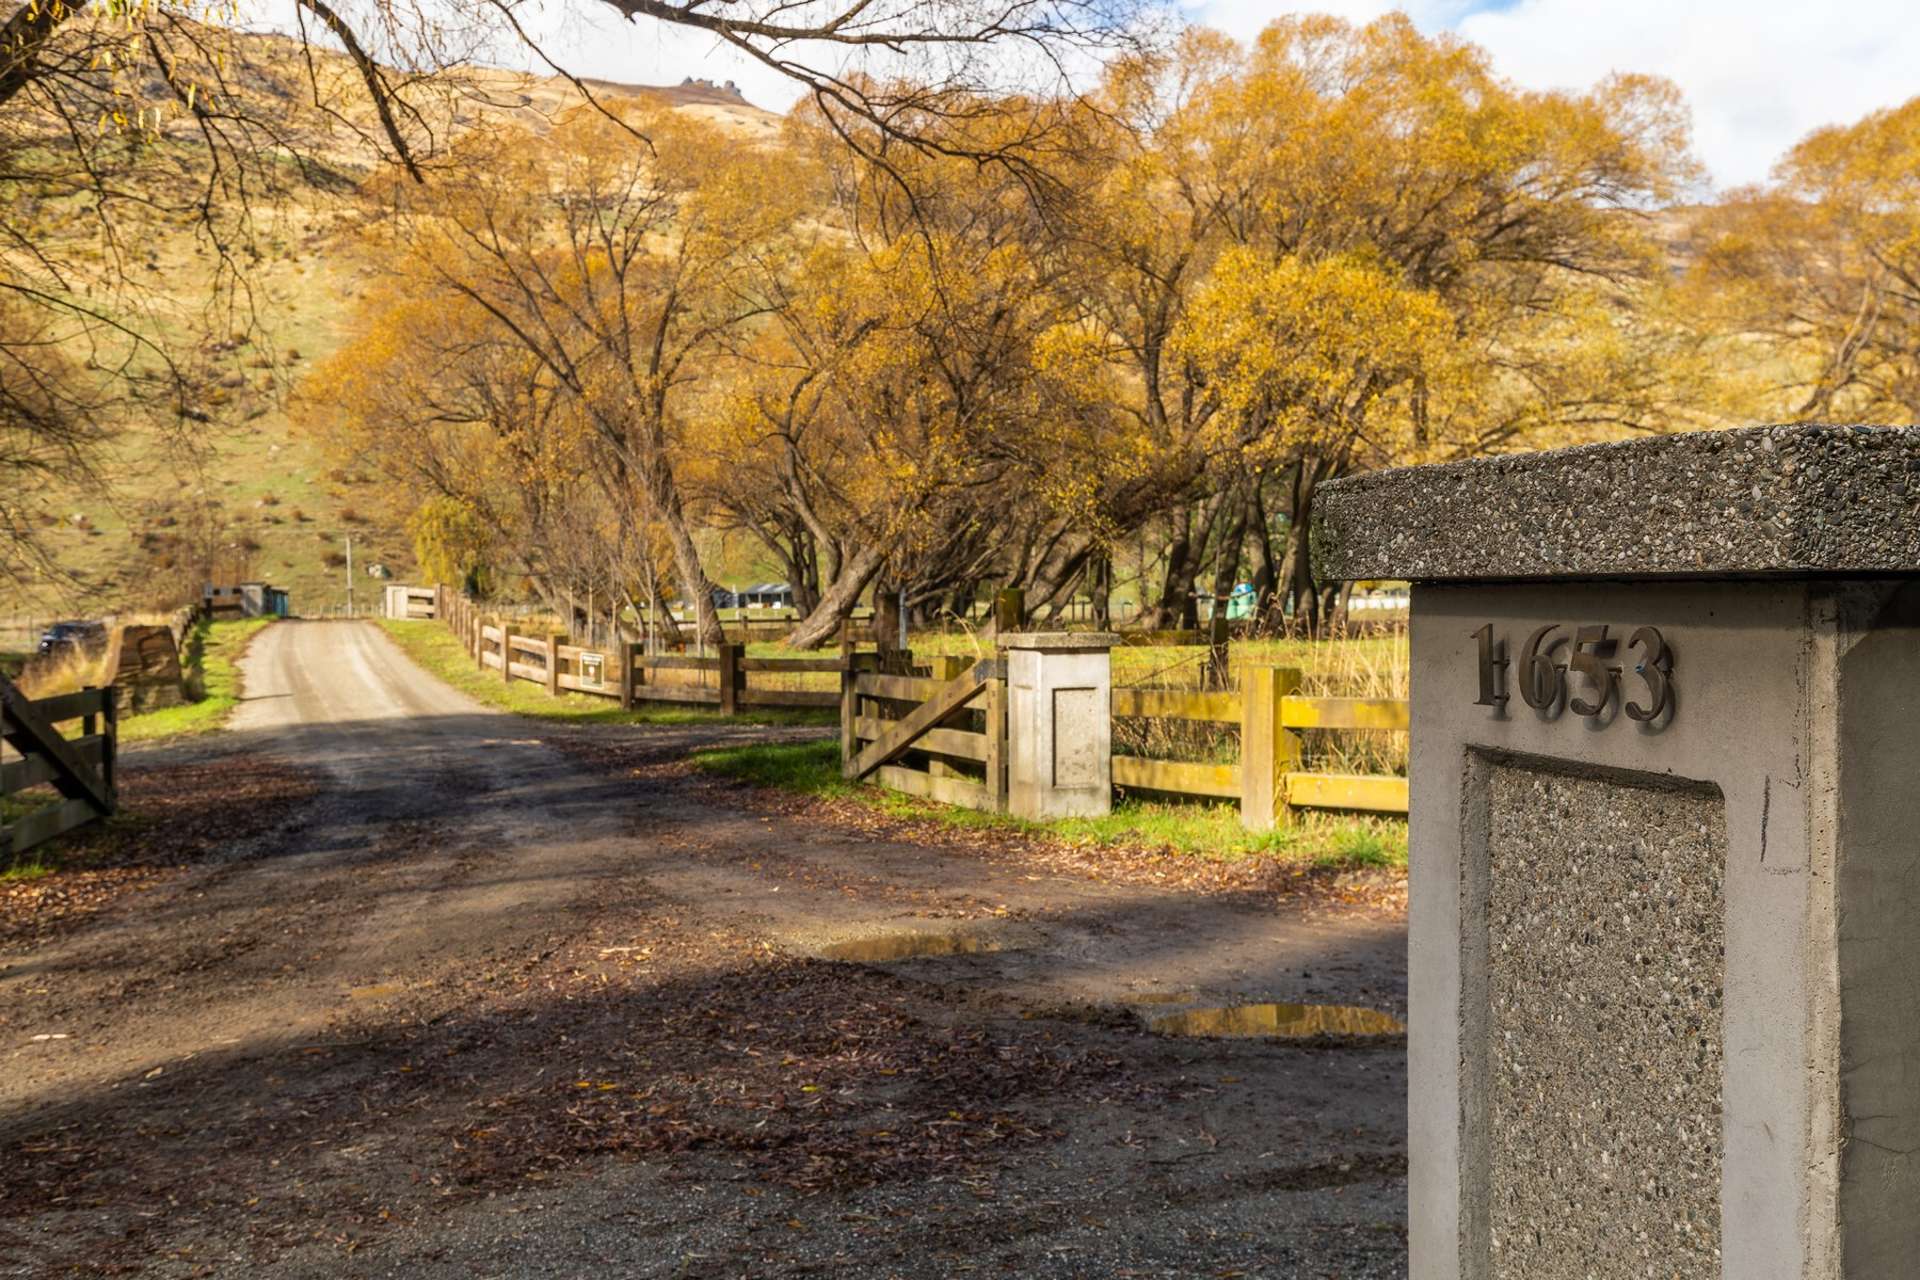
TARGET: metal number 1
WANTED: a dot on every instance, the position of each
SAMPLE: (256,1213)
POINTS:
(1493,668)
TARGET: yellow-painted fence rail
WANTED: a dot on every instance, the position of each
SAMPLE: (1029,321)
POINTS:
(1268,781)
(944,738)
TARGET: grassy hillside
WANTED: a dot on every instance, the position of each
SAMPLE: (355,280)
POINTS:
(255,497)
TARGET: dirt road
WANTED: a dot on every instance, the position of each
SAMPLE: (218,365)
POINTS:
(503,999)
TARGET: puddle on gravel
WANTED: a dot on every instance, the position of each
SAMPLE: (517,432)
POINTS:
(1287,1021)
(912,945)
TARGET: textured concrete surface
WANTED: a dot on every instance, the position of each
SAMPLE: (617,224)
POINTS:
(1876,926)
(1604,910)
(1764,500)
(1747,683)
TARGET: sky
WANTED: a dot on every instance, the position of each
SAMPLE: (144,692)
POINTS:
(1758,74)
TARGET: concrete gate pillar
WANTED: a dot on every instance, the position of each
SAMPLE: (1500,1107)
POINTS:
(1059,724)
(1664,936)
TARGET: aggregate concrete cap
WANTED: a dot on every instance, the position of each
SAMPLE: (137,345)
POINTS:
(1060,641)
(1759,501)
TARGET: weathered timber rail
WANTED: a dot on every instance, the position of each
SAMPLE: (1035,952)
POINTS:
(80,768)
(624,673)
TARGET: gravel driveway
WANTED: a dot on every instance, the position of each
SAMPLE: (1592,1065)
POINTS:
(505,999)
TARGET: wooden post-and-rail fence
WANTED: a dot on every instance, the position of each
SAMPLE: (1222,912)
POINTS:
(944,737)
(622,672)
(80,768)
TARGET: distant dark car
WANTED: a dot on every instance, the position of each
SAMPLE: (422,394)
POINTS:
(88,637)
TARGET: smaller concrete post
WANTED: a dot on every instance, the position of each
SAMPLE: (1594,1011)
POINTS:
(1059,724)
(554,641)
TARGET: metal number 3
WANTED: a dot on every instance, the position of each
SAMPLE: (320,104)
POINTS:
(1655,667)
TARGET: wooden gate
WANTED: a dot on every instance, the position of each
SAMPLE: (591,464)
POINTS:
(942,736)
(80,768)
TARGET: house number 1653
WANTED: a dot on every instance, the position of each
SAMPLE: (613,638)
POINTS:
(1586,679)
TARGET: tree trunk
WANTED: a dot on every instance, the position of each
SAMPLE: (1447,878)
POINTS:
(1307,612)
(822,623)
(1266,578)
(1182,588)
(1050,584)
(665,497)
(1177,607)
(886,623)
(1226,569)
(1100,587)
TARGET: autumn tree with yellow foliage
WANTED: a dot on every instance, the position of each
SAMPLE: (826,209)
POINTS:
(1231,274)
(1817,277)
(1347,247)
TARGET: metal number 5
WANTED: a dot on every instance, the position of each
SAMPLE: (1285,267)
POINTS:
(1656,668)
(1590,644)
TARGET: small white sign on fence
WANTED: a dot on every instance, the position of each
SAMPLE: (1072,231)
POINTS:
(592,665)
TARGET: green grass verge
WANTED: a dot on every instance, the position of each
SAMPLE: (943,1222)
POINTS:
(437,651)
(211,661)
(1200,830)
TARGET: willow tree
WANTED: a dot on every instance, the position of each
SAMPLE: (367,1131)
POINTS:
(1410,258)
(1817,276)
(620,269)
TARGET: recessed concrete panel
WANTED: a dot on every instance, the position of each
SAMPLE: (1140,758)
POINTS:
(1604,950)
(1076,753)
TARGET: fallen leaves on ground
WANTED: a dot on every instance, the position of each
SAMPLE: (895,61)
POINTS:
(171,815)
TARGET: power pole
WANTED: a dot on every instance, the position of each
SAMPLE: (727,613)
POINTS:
(349,575)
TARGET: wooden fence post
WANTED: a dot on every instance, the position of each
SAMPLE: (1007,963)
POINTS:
(1269,751)
(849,696)
(997,742)
(730,678)
(626,674)
(110,749)
(506,651)
(1218,675)
(554,641)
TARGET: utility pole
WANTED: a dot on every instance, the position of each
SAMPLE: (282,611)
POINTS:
(349,575)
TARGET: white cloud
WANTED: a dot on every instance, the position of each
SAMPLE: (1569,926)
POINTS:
(1758,74)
